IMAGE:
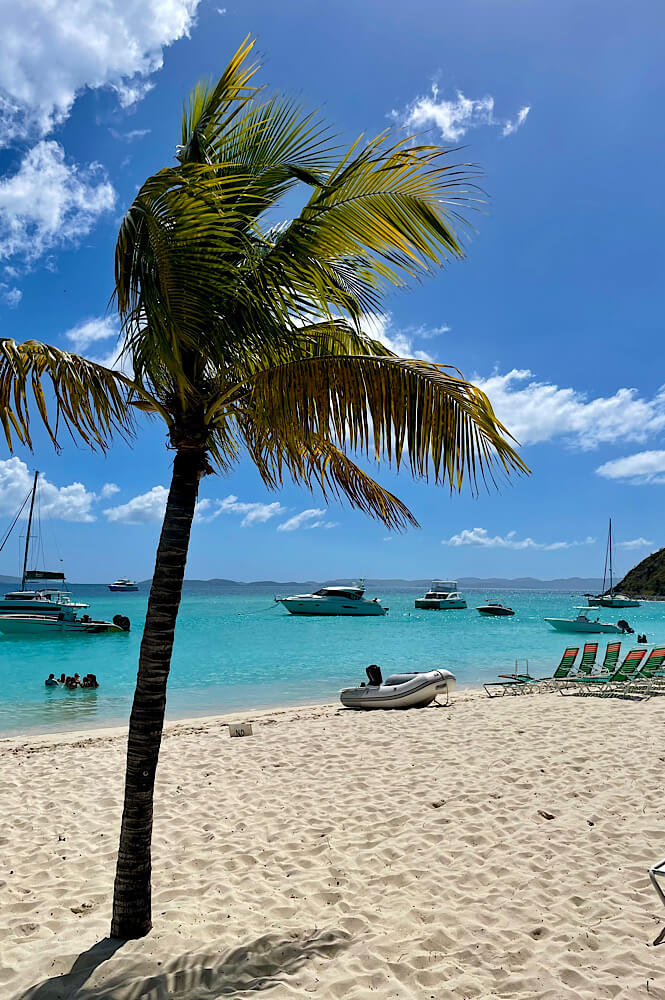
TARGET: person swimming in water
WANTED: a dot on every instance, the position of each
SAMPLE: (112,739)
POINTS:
(51,681)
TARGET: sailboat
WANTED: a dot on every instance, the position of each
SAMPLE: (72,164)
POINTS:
(45,610)
(608,598)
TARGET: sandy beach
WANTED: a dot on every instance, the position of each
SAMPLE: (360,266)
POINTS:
(489,849)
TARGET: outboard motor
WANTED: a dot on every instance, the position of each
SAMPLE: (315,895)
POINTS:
(374,675)
(122,622)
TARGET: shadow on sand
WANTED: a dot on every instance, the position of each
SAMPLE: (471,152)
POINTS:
(260,965)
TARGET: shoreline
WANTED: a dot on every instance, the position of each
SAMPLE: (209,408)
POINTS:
(103,732)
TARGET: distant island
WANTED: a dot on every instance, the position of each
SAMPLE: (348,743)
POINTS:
(223,586)
(647,579)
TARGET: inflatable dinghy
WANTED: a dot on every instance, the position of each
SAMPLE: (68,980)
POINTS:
(407,690)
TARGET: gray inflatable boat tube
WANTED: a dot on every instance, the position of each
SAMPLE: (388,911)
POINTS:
(407,690)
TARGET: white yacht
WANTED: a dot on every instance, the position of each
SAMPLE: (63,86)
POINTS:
(123,584)
(442,596)
(334,601)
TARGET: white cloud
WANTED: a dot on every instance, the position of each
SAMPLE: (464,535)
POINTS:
(481,538)
(453,118)
(254,513)
(131,136)
(510,127)
(68,503)
(398,341)
(48,203)
(642,468)
(636,543)
(143,509)
(10,296)
(539,411)
(108,490)
(149,507)
(52,51)
(312,518)
(89,331)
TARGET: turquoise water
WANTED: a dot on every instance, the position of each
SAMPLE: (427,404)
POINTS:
(237,652)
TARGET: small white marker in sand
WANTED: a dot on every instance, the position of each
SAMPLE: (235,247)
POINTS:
(240,729)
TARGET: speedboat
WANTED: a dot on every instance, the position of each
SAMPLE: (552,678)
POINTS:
(333,601)
(442,596)
(585,624)
(413,689)
(65,623)
(495,609)
(123,584)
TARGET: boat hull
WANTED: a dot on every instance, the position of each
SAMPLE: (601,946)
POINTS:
(433,604)
(416,691)
(613,602)
(496,612)
(122,590)
(563,625)
(351,609)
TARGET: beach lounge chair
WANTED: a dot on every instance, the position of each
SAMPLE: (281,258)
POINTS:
(649,679)
(611,658)
(605,685)
(525,684)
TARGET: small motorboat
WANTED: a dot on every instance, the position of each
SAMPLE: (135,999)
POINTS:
(495,610)
(413,689)
(585,624)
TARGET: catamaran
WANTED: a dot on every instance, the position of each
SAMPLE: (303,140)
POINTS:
(608,598)
(442,596)
(47,610)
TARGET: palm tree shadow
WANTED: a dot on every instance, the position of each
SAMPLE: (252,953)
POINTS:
(254,967)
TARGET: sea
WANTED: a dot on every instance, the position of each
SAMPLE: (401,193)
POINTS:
(237,653)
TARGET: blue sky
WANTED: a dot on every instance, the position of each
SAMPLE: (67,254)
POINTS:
(557,310)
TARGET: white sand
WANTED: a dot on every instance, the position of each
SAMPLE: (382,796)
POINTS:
(339,854)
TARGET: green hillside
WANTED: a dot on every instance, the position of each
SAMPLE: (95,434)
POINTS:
(647,578)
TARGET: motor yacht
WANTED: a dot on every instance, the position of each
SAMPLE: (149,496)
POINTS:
(334,601)
(123,585)
(442,596)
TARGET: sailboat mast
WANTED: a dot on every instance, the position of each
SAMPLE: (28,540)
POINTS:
(609,542)
(27,539)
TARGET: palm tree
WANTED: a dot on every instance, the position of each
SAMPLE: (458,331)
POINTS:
(245,337)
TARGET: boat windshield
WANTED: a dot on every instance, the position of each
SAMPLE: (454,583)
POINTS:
(434,595)
(351,595)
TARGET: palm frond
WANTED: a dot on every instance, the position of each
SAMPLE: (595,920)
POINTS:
(89,400)
(387,407)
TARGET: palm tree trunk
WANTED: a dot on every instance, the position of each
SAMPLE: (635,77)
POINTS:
(132,892)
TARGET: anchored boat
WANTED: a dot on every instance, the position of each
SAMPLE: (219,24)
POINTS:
(585,624)
(608,598)
(495,609)
(334,601)
(442,596)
